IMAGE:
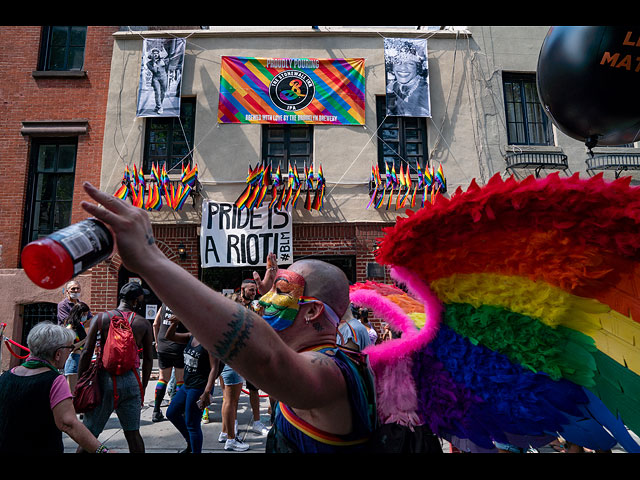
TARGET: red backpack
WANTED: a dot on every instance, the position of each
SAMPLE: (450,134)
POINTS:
(120,352)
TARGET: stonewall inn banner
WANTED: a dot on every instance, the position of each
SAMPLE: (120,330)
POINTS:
(292,91)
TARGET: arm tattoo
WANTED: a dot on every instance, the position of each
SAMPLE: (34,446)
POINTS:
(235,338)
(150,239)
(321,359)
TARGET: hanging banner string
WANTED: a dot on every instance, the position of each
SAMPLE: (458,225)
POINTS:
(190,152)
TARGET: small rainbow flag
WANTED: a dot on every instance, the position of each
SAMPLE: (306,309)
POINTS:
(318,200)
(189,175)
(296,195)
(155,173)
(137,196)
(244,196)
(182,192)
(153,200)
(164,176)
(439,176)
(123,192)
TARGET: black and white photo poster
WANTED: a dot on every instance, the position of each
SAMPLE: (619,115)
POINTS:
(160,77)
(407,75)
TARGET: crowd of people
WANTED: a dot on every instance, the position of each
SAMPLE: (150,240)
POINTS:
(295,323)
(69,344)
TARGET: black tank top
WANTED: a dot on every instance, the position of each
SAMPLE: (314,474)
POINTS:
(167,346)
(26,419)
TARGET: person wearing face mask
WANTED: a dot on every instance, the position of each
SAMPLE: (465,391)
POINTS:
(127,385)
(326,396)
(76,323)
(71,293)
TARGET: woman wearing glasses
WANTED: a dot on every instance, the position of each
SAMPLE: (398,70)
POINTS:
(37,404)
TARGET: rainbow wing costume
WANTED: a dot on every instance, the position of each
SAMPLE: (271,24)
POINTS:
(519,314)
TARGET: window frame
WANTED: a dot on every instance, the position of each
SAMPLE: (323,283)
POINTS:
(173,123)
(46,49)
(31,201)
(298,159)
(34,313)
(401,157)
(527,83)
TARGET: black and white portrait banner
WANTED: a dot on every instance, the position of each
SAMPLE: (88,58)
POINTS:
(407,75)
(160,77)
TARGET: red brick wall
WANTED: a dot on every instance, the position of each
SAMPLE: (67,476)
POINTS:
(357,239)
(104,280)
(25,98)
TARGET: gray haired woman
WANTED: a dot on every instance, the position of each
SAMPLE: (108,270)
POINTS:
(37,404)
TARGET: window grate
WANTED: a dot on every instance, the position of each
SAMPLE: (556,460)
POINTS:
(34,313)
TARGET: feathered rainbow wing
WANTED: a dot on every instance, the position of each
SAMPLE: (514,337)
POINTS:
(521,322)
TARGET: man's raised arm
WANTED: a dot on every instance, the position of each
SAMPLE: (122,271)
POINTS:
(231,332)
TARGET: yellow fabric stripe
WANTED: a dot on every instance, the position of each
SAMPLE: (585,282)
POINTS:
(540,300)
(616,335)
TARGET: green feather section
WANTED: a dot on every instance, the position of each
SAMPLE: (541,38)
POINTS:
(559,352)
(619,389)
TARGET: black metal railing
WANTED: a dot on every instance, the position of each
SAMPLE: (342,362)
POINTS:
(536,160)
(618,162)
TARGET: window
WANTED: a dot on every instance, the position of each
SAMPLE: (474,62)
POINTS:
(402,141)
(50,191)
(34,313)
(62,48)
(284,144)
(527,124)
(169,140)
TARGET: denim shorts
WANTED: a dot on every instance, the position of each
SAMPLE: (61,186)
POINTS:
(128,408)
(230,377)
(71,365)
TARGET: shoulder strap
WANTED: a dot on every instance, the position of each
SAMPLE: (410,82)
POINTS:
(128,316)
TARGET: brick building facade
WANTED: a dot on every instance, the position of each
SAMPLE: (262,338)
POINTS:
(46,103)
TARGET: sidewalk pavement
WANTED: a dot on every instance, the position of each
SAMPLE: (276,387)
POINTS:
(163,437)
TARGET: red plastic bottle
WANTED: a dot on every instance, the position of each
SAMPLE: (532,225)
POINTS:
(52,261)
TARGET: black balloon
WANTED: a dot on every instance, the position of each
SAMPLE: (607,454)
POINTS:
(588,82)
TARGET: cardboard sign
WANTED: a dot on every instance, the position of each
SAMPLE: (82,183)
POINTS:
(233,237)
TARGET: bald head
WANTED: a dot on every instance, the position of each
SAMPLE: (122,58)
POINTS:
(324,281)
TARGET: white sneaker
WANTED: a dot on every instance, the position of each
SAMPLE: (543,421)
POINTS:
(236,445)
(259,428)
(223,436)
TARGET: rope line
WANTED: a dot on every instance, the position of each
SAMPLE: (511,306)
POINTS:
(7,341)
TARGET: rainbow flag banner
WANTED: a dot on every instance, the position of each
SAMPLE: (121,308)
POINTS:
(292,91)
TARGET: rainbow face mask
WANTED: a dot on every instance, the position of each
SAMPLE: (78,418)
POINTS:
(281,302)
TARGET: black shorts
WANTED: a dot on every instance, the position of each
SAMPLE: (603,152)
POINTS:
(250,387)
(170,360)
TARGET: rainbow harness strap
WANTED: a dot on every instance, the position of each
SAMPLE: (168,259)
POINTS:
(309,439)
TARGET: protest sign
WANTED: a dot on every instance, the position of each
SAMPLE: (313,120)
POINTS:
(233,237)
